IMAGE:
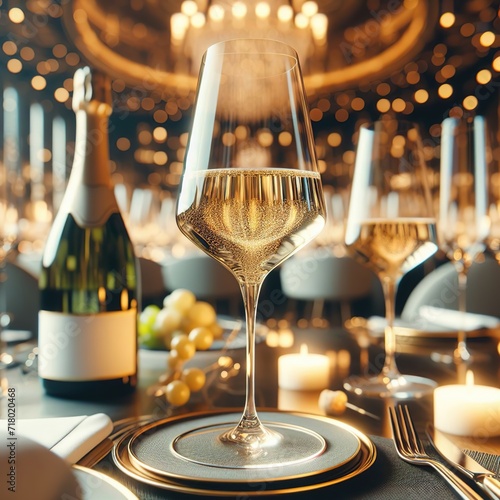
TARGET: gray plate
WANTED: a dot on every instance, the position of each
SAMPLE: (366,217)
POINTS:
(320,477)
(152,449)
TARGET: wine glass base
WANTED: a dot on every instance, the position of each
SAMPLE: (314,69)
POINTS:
(400,387)
(203,446)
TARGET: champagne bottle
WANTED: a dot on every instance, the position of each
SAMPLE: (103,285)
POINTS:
(89,277)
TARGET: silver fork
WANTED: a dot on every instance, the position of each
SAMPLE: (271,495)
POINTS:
(411,450)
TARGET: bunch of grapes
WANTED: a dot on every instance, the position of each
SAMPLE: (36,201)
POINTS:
(184,325)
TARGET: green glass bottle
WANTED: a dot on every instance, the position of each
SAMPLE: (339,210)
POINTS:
(90,275)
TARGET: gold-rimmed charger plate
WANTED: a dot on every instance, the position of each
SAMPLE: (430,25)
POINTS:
(254,486)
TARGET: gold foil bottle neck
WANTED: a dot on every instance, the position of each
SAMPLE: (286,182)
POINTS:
(92,91)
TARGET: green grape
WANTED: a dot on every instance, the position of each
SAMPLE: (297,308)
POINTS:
(150,341)
(147,337)
(147,319)
(148,315)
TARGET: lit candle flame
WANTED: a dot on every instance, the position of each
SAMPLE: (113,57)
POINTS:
(303,349)
(469,377)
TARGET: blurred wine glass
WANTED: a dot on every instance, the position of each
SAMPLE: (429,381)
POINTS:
(493,239)
(332,235)
(390,229)
(463,224)
(149,214)
(9,231)
(9,213)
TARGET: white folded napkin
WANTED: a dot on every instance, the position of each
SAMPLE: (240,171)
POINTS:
(69,437)
(455,319)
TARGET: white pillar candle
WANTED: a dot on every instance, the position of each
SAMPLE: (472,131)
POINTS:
(303,371)
(467,409)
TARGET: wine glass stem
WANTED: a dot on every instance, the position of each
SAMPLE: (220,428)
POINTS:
(389,286)
(461,352)
(250,294)
(250,432)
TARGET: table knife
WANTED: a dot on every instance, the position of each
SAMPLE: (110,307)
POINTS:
(483,477)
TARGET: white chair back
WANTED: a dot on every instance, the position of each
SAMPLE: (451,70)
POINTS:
(318,276)
(439,288)
(207,278)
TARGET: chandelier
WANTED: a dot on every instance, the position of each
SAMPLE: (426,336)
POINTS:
(157,45)
(201,23)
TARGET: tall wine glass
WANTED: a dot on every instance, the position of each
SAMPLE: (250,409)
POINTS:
(493,165)
(9,229)
(463,223)
(250,197)
(390,228)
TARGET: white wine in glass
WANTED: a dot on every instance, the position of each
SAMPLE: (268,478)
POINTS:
(250,197)
(390,229)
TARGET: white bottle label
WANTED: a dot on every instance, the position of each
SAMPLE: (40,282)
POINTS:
(87,347)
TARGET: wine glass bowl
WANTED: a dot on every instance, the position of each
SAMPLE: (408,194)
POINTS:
(391,229)
(464,222)
(250,197)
